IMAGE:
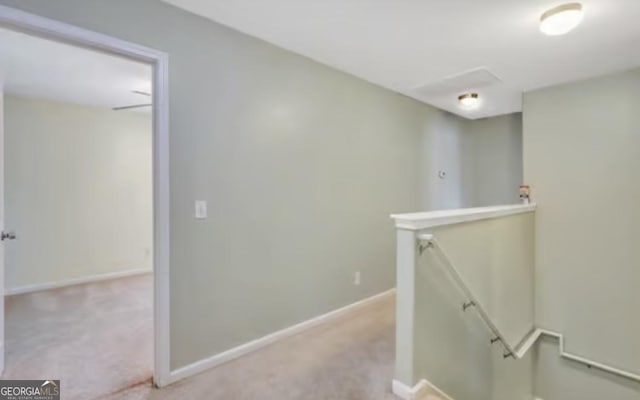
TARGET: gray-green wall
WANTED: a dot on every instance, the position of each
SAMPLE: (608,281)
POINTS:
(482,160)
(492,160)
(301,165)
(452,348)
(582,158)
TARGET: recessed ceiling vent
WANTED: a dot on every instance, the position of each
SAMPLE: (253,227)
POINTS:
(474,79)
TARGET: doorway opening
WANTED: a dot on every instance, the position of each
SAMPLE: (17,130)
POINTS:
(86,216)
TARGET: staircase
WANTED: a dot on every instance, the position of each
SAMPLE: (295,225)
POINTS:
(507,233)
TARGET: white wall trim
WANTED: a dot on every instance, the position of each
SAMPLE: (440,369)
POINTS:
(430,219)
(407,392)
(214,361)
(49,28)
(76,281)
(422,388)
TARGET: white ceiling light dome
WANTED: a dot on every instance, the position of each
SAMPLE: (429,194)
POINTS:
(469,100)
(561,19)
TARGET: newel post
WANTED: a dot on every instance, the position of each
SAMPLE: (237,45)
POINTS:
(406,253)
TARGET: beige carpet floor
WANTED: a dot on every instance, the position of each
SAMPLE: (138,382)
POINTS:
(98,340)
(351,359)
(95,338)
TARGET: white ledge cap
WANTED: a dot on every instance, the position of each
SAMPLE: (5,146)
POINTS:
(423,220)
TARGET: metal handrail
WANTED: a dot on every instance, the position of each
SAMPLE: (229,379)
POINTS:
(430,242)
(530,339)
(589,363)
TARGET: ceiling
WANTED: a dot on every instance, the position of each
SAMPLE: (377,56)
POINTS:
(45,69)
(426,48)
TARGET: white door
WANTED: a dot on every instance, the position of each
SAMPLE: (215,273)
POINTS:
(2,224)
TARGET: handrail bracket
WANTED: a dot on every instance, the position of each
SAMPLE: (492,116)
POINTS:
(424,246)
(467,305)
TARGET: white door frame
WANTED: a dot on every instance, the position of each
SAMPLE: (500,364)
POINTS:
(48,28)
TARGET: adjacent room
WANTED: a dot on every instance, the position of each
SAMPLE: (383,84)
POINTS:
(78,215)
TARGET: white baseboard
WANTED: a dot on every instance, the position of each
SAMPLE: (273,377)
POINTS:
(418,391)
(214,361)
(407,392)
(76,281)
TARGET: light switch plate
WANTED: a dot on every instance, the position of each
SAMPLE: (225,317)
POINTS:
(201,209)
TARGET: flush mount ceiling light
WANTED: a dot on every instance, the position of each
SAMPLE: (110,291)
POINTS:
(561,19)
(469,100)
